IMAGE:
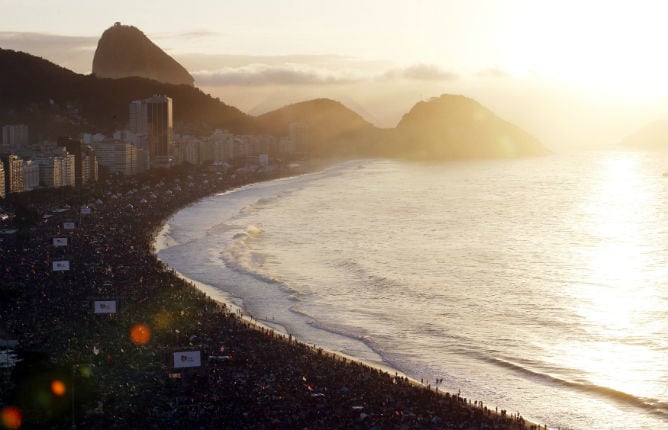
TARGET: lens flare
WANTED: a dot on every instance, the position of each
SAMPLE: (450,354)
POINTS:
(58,388)
(162,320)
(11,417)
(140,334)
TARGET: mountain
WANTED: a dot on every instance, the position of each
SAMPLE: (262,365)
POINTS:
(332,128)
(124,51)
(456,127)
(55,101)
(654,135)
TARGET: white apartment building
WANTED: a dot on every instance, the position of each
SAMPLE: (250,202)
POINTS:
(117,156)
(57,171)
(13,173)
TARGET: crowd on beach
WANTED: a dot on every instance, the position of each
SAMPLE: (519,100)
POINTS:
(250,377)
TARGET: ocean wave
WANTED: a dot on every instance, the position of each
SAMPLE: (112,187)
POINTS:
(365,276)
(272,197)
(353,333)
(493,325)
(238,256)
(654,406)
(219,228)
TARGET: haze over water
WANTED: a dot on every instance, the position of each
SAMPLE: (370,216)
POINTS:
(539,286)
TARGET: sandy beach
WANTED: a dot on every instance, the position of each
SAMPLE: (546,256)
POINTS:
(118,369)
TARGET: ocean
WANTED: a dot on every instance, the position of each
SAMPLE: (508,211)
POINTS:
(537,286)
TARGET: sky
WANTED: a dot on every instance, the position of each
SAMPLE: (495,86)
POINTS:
(572,73)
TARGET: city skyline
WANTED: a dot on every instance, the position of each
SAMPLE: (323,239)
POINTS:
(571,73)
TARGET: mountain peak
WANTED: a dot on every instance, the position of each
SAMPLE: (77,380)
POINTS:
(455,126)
(125,51)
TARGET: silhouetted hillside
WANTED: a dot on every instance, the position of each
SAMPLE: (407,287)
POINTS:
(654,135)
(54,101)
(456,127)
(124,51)
(333,129)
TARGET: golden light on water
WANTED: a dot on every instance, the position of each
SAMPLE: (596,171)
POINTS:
(615,299)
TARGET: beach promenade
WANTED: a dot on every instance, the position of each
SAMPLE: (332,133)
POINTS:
(89,369)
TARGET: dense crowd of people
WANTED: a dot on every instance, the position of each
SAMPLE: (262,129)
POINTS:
(250,377)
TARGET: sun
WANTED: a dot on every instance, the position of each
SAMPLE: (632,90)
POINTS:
(605,46)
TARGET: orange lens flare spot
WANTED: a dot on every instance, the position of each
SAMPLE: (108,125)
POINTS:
(140,334)
(58,388)
(10,417)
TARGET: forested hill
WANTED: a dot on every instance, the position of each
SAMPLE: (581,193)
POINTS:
(54,101)
(331,128)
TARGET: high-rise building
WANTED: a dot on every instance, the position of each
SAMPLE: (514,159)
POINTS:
(3,192)
(117,156)
(30,175)
(89,165)
(13,174)
(85,163)
(138,117)
(57,170)
(49,171)
(154,117)
(15,135)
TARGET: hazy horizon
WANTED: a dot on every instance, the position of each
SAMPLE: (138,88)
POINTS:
(571,74)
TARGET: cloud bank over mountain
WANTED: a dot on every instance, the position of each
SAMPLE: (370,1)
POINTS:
(314,74)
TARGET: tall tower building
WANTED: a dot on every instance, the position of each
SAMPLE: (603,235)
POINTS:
(138,117)
(154,117)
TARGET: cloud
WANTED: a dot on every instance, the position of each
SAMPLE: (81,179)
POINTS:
(196,34)
(428,72)
(493,72)
(276,74)
(422,72)
(317,73)
(73,52)
(41,42)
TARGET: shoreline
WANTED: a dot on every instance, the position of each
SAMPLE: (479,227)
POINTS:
(283,382)
(225,299)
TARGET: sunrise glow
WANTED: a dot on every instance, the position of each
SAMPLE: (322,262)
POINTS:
(391,213)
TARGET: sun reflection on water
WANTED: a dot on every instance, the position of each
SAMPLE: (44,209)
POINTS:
(616,301)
